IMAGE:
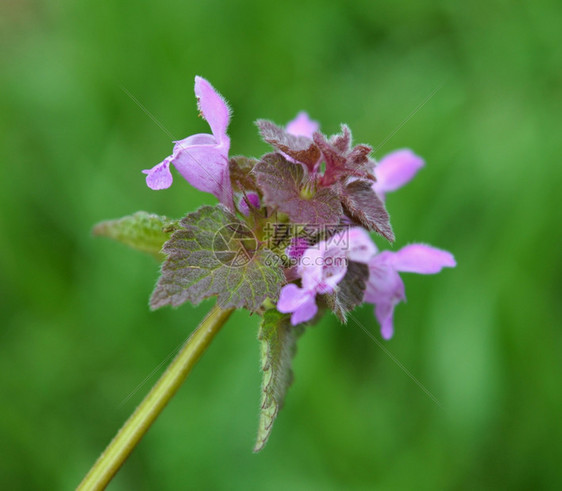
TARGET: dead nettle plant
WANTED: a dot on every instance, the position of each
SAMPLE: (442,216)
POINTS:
(289,240)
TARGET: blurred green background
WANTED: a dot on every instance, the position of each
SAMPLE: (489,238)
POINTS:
(77,337)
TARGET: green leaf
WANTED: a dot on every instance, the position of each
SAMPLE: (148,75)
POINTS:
(143,231)
(278,346)
(214,253)
(349,292)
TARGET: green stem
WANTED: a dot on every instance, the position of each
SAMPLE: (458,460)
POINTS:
(146,413)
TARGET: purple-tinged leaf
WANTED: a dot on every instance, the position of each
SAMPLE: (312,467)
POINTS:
(342,161)
(300,148)
(349,291)
(342,142)
(241,175)
(278,340)
(362,204)
(213,253)
(283,183)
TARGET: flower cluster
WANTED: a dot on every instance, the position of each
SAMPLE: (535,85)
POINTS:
(319,197)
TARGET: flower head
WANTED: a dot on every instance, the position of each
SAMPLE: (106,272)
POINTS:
(385,288)
(202,159)
(292,181)
(395,170)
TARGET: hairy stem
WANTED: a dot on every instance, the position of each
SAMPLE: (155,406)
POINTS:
(152,405)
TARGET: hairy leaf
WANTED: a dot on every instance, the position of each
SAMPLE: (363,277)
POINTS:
(300,148)
(349,291)
(143,231)
(341,160)
(278,345)
(213,253)
(241,175)
(364,205)
(283,186)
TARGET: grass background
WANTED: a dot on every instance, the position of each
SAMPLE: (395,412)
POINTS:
(77,337)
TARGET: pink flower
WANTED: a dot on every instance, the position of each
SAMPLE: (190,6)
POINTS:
(201,159)
(302,125)
(385,288)
(321,268)
(396,169)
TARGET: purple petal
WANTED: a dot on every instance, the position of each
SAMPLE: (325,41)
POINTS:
(205,168)
(302,125)
(384,312)
(199,139)
(334,268)
(419,258)
(385,289)
(213,107)
(159,177)
(322,268)
(254,200)
(305,312)
(201,159)
(361,247)
(298,301)
(384,283)
(290,298)
(310,268)
(297,247)
(395,170)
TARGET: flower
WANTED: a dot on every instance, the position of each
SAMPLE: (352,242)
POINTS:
(201,159)
(360,247)
(396,169)
(385,288)
(321,268)
(302,125)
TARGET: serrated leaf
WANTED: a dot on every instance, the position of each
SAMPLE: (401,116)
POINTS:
(278,340)
(341,159)
(300,148)
(282,183)
(364,205)
(143,231)
(349,292)
(241,175)
(213,253)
